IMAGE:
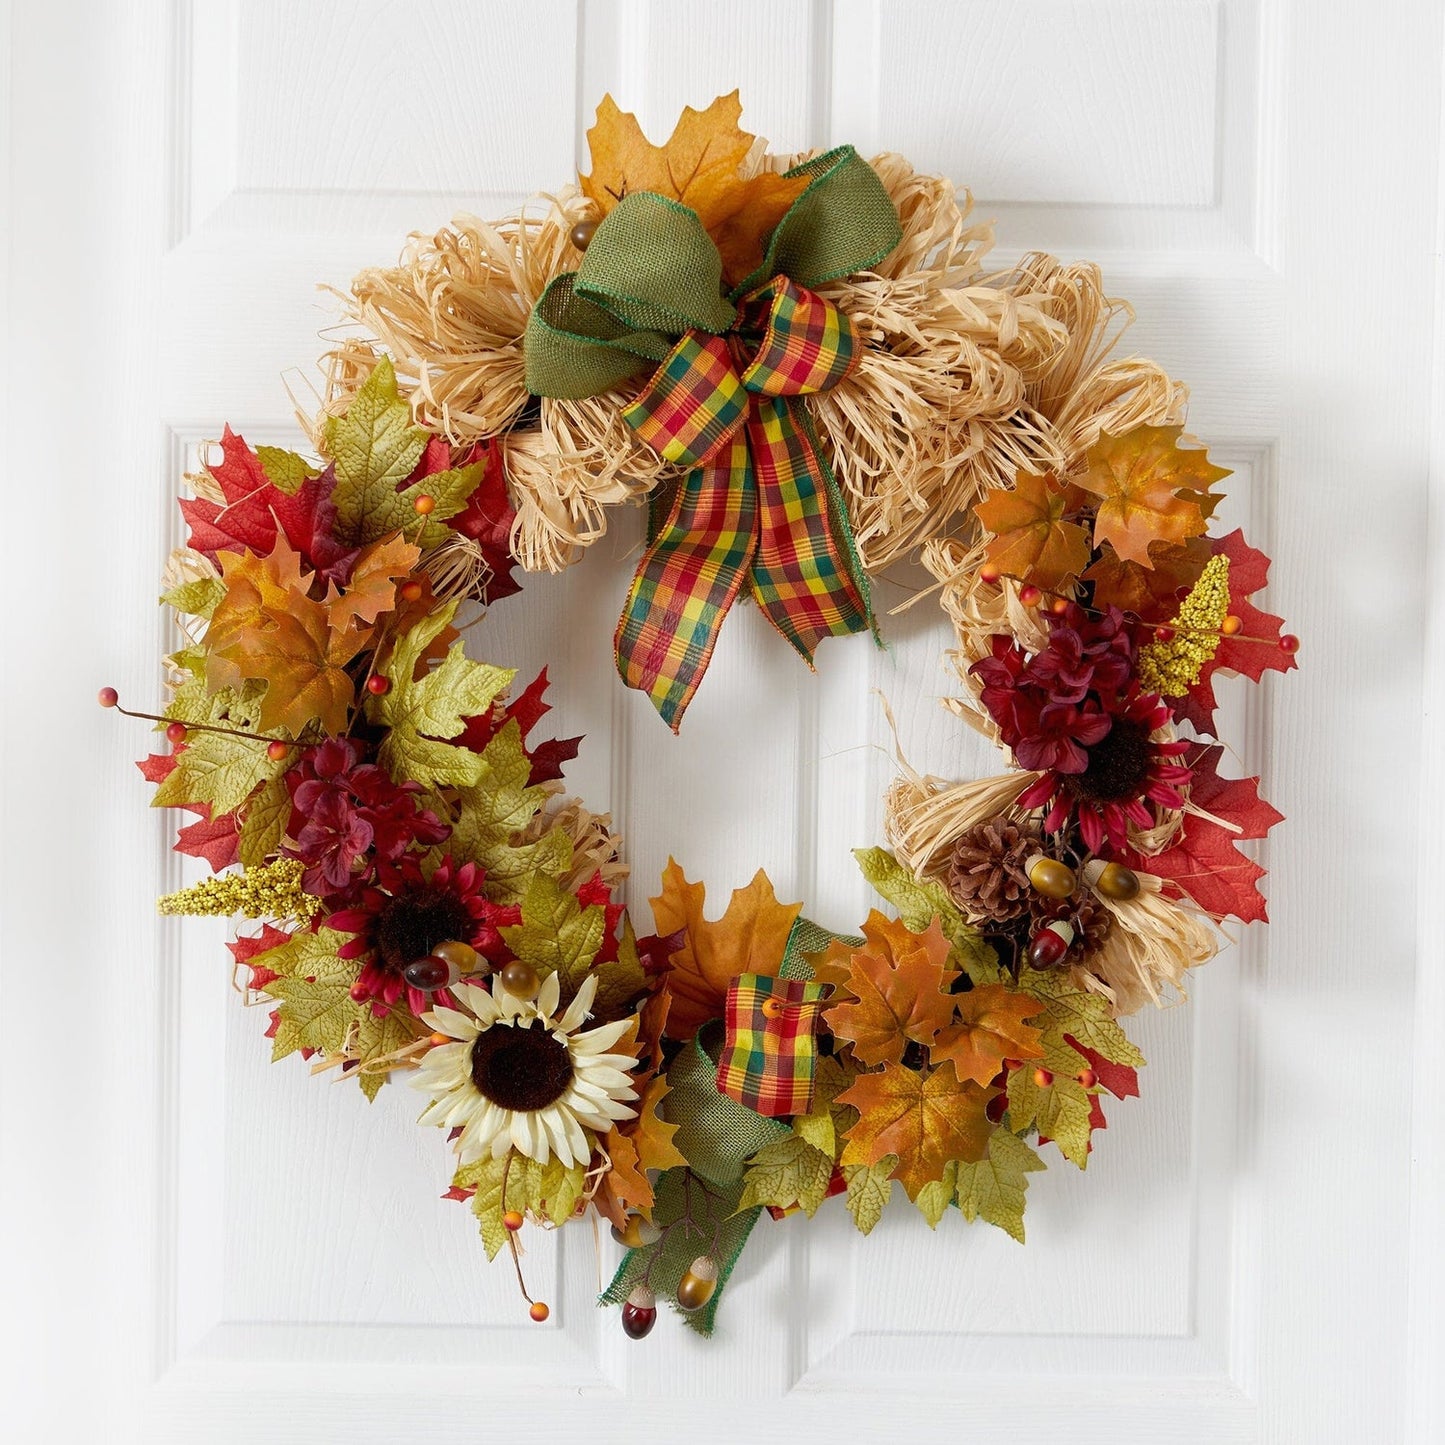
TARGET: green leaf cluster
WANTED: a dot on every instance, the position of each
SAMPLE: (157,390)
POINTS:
(787,1172)
(547,1192)
(217,768)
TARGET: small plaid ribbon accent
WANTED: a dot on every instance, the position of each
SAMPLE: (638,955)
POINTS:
(760,507)
(770,1051)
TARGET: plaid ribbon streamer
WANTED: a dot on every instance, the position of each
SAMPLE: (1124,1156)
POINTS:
(761,505)
(770,1052)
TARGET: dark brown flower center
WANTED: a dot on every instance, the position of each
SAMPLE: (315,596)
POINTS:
(520,1068)
(1118,765)
(413,923)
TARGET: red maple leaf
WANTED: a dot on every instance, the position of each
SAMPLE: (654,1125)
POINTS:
(217,840)
(1254,650)
(1120,1080)
(157,767)
(250,946)
(547,757)
(308,518)
(593,893)
(244,523)
(1203,864)
(488,516)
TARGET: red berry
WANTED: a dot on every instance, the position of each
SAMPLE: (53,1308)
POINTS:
(1164,634)
(277,750)
(1011,1064)
(358,992)
(539,1311)
(176,732)
(107,697)
(424,506)
(376,684)
(989,572)
(410,591)
(1289,643)
(1029,594)
(1043,1078)
(1088,1078)
(512,1220)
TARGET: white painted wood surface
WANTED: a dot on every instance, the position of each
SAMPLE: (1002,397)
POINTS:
(201,1247)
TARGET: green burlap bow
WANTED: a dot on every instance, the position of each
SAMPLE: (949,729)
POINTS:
(760,505)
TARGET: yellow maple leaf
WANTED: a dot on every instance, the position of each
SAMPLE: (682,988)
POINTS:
(927,1119)
(750,937)
(1032,541)
(1150,489)
(897,991)
(371,589)
(699,167)
(990,1029)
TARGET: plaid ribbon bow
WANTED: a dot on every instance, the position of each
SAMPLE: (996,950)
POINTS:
(769,1058)
(760,505)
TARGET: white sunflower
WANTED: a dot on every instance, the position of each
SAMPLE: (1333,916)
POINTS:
(519,1078)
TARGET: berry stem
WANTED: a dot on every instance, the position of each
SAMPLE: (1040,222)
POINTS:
(195,727)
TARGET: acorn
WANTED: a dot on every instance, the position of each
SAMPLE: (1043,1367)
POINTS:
(1049,945)
(639,1313)
(520,980)
(698,1285)
(1050,877)
(1111,880)
(462,955)
(582,233)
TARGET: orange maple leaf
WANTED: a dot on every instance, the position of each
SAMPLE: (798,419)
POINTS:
(749,938)
(899,991)
(927,1119)
(371,589)
(624,1187)
(990,1029)
(651,1133)
(268,628)
(1151,593)
(698,166)
(1150,489)
(1032,541)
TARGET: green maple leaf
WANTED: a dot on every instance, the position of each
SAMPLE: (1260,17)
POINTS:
(919,903)
(1059,1110)
(548,1191)
(994,1189)
(786,1172)
(265,822)
(556,934)
(500,803)
(869,1188)
(314,1014)
(196,599)
(935,1197)
(1084,1016)
(312,955)
(510,869)
(221,769)
(286,471)
(375,1039)
(375,448)
(825,1124)
(620,981)
(418,715)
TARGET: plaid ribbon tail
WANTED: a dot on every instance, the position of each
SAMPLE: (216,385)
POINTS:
(806,576)
(687,580)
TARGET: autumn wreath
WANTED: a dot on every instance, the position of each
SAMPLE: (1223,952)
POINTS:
(803,368)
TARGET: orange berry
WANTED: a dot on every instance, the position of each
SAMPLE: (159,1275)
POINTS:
(440,1039)
(276,750)
(376,684)
(1059,606)
(1043,1078)
(410,591)
(1029,594)
(989,572)
(1231,625)
(424,505)
(539,1311)
(512,1220)
(1088,1078)
(107,697)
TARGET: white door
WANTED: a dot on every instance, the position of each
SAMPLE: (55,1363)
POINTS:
(201,1247)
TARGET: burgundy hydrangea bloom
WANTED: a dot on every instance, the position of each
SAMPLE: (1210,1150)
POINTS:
(352,818)
(1084,654)
(405,915)
(1124,771)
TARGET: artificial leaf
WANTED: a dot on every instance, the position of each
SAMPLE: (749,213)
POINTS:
(248,948)
(547,1191)
(214,839)
(487,520)
(315,1014)
(196,599)
(218,769)
(378,1038)
(286,471)
(869,1187)
(1151,593)
(527,709)
(624,1187)
(311,956)
(926,1118)
(418,714)
(556,935)
(1031,540)
(919,902)
(499,804)
(1150,489)
(824,1126)
(1203,862)
(265,817)
(698,166)
(371,588)
(308,520)
(1070,1013)
(1121,1080)
(1254,649)
(994,1188)
(991,1028)
(375,452)
(620,980)
(898,991)
(651,1133)
(935,1197)
(1061,1110)
(787,1172)
(750,937)
(243,520)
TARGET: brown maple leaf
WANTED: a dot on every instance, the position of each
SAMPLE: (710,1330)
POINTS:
(928,1119)
(699,167)
(268,628)
(1032,541)
(899,991)
(1151,593)
(750,937)
(1150,489)
(990,1029)
(371,589)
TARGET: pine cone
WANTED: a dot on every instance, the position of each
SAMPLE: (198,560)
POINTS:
(986,875)
(1090,918)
